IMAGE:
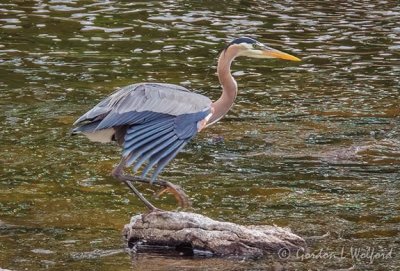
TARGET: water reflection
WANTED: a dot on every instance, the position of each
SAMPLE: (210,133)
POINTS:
(313,146)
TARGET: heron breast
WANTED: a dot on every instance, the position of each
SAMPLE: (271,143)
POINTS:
(203,123)
(102,136)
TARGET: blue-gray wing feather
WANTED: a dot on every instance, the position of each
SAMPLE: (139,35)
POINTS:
(158,142)
(153,97)
(158,121)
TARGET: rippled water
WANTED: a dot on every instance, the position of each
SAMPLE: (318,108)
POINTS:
(314,146)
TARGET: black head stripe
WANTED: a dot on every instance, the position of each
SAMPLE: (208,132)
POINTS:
(243,40)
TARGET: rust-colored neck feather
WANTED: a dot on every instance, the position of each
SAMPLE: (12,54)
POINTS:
(229,86)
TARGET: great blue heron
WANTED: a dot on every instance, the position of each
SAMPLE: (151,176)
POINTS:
(153,121)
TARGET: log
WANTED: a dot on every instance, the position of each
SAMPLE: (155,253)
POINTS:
(195,234)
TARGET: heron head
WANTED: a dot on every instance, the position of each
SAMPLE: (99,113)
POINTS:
(251,48)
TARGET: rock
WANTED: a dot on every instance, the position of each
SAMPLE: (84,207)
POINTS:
(193,234)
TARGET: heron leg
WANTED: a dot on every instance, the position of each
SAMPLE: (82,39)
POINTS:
(118,174)
(174,189)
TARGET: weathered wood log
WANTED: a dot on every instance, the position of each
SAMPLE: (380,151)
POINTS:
(192,234)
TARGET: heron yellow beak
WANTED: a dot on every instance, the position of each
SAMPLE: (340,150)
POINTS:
(278,54)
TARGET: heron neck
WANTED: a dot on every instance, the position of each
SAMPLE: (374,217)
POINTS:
(228,83)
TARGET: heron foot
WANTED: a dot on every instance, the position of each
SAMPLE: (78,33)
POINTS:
(177,192)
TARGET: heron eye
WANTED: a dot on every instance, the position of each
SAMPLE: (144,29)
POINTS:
(257,46)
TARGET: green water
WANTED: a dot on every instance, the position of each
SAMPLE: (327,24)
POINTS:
(313,146)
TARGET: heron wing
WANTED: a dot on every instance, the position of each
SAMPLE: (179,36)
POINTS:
(152,97)
(158,120)
(158,140)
